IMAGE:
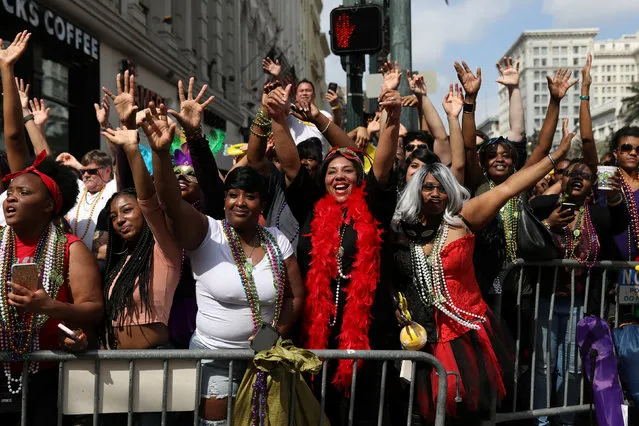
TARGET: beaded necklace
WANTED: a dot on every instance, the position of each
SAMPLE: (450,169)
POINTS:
(77,212)
(633,213)
(19,332)
(430,281)
(572,237)
(340,274)
(277,221)
(509,214)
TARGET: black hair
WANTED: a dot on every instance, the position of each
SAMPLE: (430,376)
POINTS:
(627,131)
(495,142)
(64,177)
(418,136)
(247,179)
(304,80)
(359,168)
(136,273)
(310,148)
(426,156)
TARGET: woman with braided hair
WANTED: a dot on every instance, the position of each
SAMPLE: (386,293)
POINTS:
(143,261)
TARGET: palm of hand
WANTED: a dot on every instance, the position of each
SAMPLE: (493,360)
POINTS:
(373,126)
(10,54)
(510,77)
(274,69)
(124,106)
(418,86)
(40,117)
(391,80)
(471,83)
(24,100)
(558,89)
(160,136)
(101,115)
(190,114)
(454,105)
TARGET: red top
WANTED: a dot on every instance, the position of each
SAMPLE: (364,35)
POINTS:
(457,261)
(25,251)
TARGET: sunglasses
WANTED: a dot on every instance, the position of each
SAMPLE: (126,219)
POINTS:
(627,148)
(429,187)
(412,147)
(91,172)
(580,175)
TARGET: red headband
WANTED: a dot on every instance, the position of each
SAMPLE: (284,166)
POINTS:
(349,153)
(53,187)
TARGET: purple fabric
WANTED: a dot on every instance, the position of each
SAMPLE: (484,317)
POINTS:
(595,344)
(182,321)
(621,240)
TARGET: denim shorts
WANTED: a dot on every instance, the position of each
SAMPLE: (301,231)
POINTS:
(215,374)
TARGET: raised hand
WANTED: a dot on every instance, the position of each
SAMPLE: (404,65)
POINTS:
(332,98)
(102,111)
(362,137)
(273,68)
(565,144)
(68,160)
(560,83)
(374,125)
(157,128)
(125,100)
(391,101)
(392,75)
(469,81)
(509,74)
(277,103)
(40,112)
(410,101)
(268,87)
(416,84)
(454,101)
(191,110)
(11,54)
(306,111)
(23,91)
(121,136)
(585,72)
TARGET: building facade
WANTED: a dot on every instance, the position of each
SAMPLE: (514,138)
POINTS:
(490,126)
(78,46)
(541,53)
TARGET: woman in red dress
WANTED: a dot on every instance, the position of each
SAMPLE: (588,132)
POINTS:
(436,223)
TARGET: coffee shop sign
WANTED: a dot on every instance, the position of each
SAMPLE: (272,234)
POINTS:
(55,25)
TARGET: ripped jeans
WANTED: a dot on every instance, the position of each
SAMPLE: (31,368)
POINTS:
(215,379)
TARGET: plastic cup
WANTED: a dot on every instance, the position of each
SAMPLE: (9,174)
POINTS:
(603,177)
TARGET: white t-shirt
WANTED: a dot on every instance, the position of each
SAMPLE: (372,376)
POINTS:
(83,217)
(224,319)
(302,130)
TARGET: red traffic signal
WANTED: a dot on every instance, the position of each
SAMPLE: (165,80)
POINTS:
(356,29)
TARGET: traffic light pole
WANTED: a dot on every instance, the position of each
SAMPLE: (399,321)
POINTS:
(400,51)
(354,67)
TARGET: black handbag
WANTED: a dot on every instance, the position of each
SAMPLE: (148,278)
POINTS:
(534,241)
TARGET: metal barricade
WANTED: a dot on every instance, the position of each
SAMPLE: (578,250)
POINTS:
(543,296)
(95,364)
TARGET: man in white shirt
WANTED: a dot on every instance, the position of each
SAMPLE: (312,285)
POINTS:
(303,130)
(96,188)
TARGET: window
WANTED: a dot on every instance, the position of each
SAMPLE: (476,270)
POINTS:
(602,46)
(535,51)
(575,50)
(583,49)
(537,75)
(536,86)
(575,61)
(608,68)
(544,50)
(537,110)
(564,110)
(536,98)
(575,122)
(614,89)
(596,89)
(543,62)
(626,46)
(564,61)
(576,73)
(564,50)
(608,78)
(614,78)
(535,62)
(575,110)
(544,98)
(555,50)
(614,68)
(596,99)
(537,122)
(543,110)
(555,62)
(595,78)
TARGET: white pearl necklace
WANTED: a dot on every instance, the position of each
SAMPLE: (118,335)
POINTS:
(430,282)
(340,274)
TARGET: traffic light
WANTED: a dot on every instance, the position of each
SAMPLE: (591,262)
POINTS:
(356,29)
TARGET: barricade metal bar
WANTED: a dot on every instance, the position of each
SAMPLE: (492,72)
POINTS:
(60,391)
(25,390)
(411,393)
(604,289)
(323,392)
(517,340)
(129,414)
(351,405)
(551,312)
(198,381)
(96,392)
(581,380)
(531,414)
(382,390)
(533,358)
(569,351)
(229,399)
(291,411)
(165,388)
(617,304)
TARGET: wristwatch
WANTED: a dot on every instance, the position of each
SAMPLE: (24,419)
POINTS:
(469,108)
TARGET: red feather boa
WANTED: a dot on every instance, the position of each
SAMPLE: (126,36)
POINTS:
(360,291)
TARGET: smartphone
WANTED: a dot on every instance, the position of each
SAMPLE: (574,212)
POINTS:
(333,87)
(26,274)
(265,338)
(70,333)
(569,206)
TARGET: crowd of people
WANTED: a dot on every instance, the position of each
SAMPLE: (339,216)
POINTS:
(335,239)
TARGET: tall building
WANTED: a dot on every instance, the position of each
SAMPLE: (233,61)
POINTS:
(541,53)
(78,46)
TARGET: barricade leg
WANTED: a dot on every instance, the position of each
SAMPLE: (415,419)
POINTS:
(546,356)
(568,372)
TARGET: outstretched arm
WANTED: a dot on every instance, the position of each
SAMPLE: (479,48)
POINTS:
(471,84)
(482,209)
(38,111)
(589,149)
(14,138)
(278,108)
(453,104)
(509,77)
(388,137)
(557,86)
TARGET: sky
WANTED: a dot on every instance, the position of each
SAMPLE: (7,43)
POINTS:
(481,31)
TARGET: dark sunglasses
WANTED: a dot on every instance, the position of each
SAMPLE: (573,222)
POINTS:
(412,147)
(626,148)
(91,172)
(429,187)
(576,174)
(561,171)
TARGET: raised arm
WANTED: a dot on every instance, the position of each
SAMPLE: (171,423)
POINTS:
(471,84)
(557,86)
(273,68)
(391,103)
(261,129)
(278,108)
(482,209)
(34,130)
(14,138)
(333,100)
(334,134)
(441,146)
(589,149)
(453,104)
(509,77)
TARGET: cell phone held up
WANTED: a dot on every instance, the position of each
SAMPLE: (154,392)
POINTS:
(265,338)
(26,274)
(332,87)
(568,206)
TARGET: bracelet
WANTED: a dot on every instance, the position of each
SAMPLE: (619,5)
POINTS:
(326,128)
(259,135)
(469,108)
(552,160)
(335,108)
(614,201)
(27,117)
(545,223)
(584,97)
(193,134)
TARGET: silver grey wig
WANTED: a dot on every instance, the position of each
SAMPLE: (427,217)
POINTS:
(410,202)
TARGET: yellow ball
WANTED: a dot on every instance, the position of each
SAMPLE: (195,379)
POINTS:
(637,268)
(413,337)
